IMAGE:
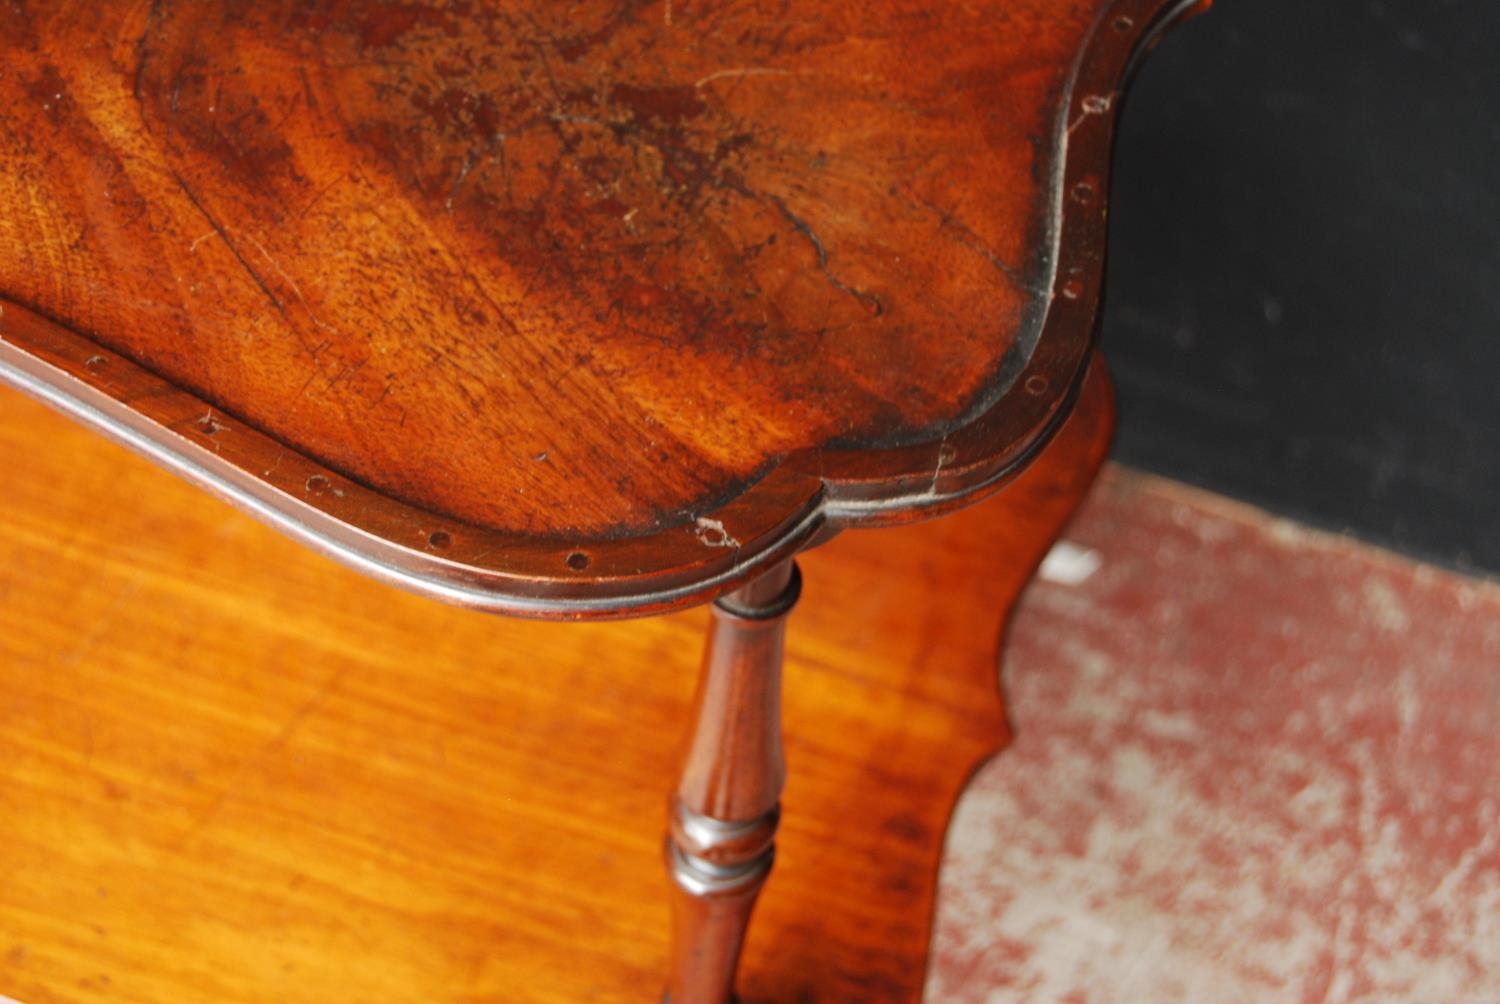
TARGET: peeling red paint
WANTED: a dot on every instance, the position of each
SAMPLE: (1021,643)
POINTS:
(1253,763)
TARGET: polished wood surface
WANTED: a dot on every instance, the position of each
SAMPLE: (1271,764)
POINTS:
(721,843)
(590,302)
(231,771)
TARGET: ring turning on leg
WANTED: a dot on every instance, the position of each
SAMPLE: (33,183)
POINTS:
(723,821)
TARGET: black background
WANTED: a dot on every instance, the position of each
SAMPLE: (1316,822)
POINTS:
(1303,306)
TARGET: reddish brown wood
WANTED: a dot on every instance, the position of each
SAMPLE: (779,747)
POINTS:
(564,310)
(721,844)
(572,310)
(235,772)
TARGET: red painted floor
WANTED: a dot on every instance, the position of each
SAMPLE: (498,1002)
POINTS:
(1253,764)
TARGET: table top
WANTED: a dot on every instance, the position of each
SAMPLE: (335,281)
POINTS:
(563,309)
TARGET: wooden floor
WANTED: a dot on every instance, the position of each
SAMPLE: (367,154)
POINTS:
(233,771)
(1253,764)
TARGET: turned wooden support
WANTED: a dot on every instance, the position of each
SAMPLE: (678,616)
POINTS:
(723,817)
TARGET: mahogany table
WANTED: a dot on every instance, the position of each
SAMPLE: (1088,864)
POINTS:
(573,311)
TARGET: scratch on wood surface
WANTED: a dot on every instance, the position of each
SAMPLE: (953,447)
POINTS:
(1094,104)
(966,236)
(945,454)
(201,821)
(291,283)
(869,300)
(742,71)
(712,533)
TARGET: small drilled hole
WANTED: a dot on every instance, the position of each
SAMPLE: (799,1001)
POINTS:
(94,363)
(439,540)
(1083,192)
(1096,104)
(578,561)
(1072,289)
(1123,23)
(1037,386)
(208,425)
(317,485)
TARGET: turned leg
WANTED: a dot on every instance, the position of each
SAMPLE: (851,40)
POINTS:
(724,814)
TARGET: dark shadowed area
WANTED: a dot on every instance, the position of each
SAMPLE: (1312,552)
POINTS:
(1303,296)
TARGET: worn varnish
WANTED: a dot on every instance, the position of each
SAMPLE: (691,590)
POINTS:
(562,309)
(236,772)
(569,311)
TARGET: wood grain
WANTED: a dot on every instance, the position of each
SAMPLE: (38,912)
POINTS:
(592,301)
(233,771)
(721,841)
